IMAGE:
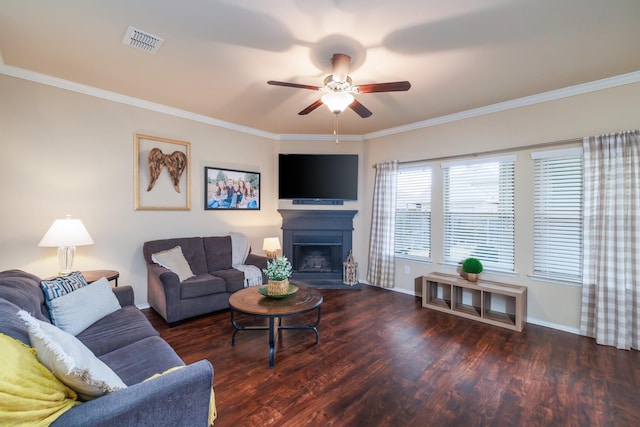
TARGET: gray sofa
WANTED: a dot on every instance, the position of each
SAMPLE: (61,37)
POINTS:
(133,349)
(210,259)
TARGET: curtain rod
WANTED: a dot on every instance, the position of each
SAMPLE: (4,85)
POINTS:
(500,151)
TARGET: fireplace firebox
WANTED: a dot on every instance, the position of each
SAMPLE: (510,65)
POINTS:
(309,258)
(316,242)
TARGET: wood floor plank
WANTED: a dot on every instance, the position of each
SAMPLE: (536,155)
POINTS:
(383,360)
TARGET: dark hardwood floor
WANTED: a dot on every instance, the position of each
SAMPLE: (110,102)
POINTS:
(383,360)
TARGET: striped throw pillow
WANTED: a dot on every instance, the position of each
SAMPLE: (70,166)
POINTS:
(62,285)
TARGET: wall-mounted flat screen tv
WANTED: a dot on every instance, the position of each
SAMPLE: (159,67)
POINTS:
(318,176)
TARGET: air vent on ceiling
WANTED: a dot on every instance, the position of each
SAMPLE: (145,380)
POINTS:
(142,40)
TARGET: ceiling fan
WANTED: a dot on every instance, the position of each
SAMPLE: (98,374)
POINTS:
(339,90)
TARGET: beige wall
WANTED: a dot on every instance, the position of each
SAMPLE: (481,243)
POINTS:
(64,152)
(589,114)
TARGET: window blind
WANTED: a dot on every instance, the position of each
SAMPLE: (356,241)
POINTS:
(479,212)
(413,213)
(558,203)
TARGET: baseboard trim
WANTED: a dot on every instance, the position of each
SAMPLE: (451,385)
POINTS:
(404,291)
(551,325)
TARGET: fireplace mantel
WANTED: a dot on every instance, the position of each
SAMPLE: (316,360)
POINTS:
(320,227)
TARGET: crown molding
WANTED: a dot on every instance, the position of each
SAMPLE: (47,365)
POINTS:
(553,95)
(45,79)
(320,137)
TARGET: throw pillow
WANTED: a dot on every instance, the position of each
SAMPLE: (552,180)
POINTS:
(174,260)
(31,394)
(70,361)
(62,285)
(76,311)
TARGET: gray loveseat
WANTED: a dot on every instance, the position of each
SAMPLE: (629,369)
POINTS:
(214,280)
(133,349)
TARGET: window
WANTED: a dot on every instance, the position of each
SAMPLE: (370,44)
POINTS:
(413,213)
(557,226)
(479,212)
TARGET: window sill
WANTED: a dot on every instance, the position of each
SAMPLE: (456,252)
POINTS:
(413,259)
(555,281)
(486,270)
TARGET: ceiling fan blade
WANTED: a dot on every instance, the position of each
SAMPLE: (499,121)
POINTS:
(340,63)
(384,87)
(360,109)
(296,85)
(311,107)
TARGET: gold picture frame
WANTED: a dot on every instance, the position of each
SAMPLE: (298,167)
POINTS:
(162,169)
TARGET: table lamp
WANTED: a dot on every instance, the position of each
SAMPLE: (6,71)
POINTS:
(66,234)
(271,245)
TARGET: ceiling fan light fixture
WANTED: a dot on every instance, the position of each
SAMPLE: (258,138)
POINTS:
(337,101)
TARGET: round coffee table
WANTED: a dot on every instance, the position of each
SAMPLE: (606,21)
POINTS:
(250,302)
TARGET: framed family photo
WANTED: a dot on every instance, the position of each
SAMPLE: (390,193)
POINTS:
(162,170)
(231,189)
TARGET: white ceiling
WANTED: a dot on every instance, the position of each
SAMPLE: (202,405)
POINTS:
(219,54)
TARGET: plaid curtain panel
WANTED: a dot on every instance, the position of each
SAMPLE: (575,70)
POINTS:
(611,293)
(381,270)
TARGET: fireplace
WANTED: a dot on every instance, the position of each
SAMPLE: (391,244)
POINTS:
(309,258)
(316,242)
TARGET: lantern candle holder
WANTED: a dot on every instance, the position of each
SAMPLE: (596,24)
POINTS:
(350,271)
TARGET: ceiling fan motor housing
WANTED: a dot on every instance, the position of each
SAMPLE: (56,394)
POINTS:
(331,85)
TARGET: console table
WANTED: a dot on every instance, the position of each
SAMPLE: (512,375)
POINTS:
(498,304)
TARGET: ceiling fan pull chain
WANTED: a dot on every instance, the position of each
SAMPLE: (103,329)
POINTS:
(335,127)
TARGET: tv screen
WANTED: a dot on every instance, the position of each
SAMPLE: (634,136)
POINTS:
(318,176)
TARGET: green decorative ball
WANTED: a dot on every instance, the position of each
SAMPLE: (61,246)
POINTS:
(472,265)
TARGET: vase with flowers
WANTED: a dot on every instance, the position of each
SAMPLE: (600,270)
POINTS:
(278,272)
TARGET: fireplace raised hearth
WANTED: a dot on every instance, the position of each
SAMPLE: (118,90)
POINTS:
(316,242)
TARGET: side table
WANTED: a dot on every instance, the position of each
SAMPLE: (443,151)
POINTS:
(93,275)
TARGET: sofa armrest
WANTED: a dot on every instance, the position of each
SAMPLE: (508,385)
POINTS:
(257,260)
(260,262)
(179,398)
(163,292)
(125,295)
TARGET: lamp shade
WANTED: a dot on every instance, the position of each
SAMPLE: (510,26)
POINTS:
(66,232)
(271,244)
(337,101)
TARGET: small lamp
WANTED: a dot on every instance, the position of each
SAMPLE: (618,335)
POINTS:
(66,234)
(271,245)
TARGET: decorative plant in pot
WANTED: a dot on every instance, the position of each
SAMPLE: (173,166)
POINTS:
(278,272)
(472,267)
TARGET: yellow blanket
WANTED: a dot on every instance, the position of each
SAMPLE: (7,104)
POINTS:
(30,394)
